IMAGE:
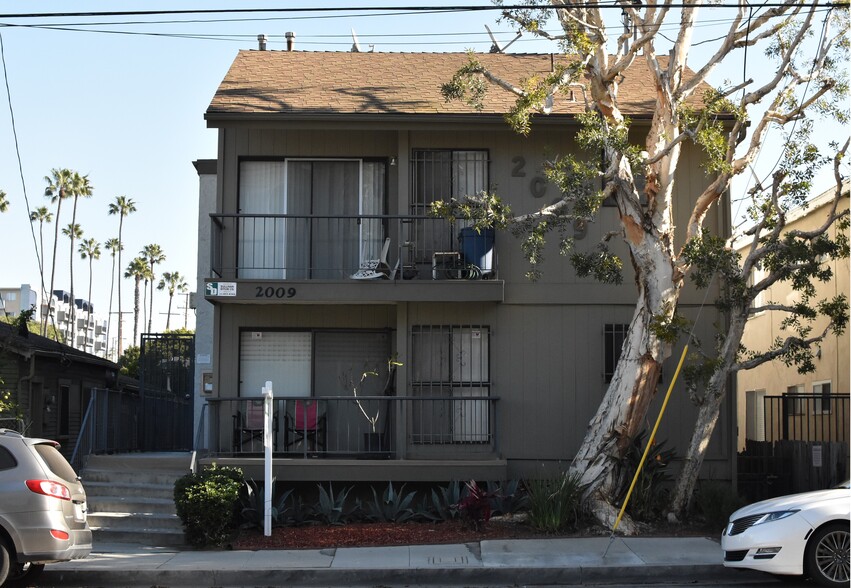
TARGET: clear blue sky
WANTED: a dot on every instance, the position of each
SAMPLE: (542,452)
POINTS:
(127,109)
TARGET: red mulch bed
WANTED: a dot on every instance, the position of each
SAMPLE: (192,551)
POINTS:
(383,534)
(377,534)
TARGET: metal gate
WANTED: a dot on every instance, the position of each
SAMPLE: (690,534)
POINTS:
(167,384)
(801,444)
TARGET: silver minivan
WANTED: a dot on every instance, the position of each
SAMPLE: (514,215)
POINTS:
(42,507)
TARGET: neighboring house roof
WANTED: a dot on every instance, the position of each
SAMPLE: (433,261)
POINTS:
(32,344)
(298,84)
(812,206)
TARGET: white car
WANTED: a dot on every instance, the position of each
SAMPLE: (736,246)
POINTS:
(799,535)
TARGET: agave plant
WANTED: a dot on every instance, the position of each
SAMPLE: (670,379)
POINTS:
(392,506)
(253,501)
(331,509)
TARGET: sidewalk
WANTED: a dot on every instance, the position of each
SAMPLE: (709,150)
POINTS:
(538,561)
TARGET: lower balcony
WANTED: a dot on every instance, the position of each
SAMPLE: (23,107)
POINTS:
(367,438)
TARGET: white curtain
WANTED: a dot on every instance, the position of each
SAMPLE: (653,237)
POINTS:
(261,191)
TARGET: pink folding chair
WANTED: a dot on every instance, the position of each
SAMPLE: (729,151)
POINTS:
(307,425)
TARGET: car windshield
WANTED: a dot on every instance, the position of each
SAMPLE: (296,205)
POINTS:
(56,461)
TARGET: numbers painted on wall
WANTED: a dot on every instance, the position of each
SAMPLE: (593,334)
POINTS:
(273,292)
(537,185)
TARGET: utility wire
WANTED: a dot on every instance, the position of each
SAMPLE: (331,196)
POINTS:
(407,9)
(20,164)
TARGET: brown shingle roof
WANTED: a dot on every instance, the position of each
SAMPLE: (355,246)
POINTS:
(296,83)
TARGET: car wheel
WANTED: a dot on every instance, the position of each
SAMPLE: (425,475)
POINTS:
(4,562)
(23,574)
(827,557)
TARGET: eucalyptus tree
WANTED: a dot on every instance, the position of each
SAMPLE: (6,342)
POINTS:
(89,249)
(138,270)
(796,257)
(114,247)
(123,206)
(729,124)
(42,215)
(152,254)
(174,282)
(73,231)
(59,185)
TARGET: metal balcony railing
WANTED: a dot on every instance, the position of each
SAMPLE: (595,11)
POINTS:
(345,426)
(326,247)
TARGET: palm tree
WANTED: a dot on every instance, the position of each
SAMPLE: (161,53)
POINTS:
(174,282)
(114,247)
(153,254)
(42,215)
(4,202)
(58,189)
(73,232)
(80,187)
(122,206)
(138,270)
(90,249)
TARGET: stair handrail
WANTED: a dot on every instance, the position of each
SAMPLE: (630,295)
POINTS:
(84,438)
(193,463)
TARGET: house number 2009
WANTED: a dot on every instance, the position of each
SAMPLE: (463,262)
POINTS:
(537,185)
(270,292)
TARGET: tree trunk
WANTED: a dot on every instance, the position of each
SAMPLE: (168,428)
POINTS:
(707,418)
(120,316)
(136,312)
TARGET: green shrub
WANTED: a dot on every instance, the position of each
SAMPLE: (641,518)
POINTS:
(206,503)
(554,503)
(716,501)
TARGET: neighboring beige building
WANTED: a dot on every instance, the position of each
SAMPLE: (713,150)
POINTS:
(809,414)
(324,262)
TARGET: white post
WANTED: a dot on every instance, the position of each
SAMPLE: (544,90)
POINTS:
(267,461)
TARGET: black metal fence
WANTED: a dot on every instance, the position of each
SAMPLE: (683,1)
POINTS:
(802,444)
(344,426)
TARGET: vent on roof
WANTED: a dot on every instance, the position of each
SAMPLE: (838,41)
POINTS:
(290,40)
(261,42)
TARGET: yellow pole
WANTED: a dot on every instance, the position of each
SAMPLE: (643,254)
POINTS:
(647,447)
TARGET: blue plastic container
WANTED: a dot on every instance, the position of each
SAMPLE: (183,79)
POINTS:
(477,248)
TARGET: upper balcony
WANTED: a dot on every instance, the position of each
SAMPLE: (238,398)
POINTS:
(290,258)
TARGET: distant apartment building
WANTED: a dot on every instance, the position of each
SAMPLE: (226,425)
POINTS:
(76,323)
(14,300)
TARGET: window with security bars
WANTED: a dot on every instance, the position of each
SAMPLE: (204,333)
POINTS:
(450,373)
(614,334)
(441,174)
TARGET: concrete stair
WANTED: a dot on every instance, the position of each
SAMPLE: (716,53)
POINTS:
(131,498)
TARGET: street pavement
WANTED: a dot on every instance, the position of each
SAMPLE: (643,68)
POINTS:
(573,561)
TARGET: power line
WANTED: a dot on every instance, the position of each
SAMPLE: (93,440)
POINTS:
(403,9)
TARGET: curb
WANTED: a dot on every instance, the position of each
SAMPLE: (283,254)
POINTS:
(446,576)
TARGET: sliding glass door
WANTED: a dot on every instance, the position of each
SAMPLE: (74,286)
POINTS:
(320,238)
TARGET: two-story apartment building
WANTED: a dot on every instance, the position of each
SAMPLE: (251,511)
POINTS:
(775,402)
(325,264)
